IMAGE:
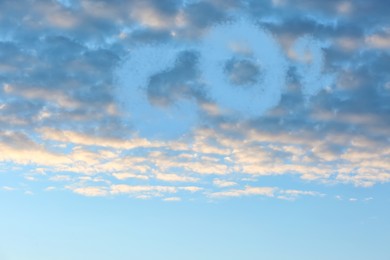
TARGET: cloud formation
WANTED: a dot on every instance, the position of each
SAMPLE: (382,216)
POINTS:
(136,98)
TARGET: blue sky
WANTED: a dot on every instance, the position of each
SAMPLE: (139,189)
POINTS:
(161,129)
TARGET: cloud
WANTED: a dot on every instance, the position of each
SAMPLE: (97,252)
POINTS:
(140,98)
(380,40)
(244,41)
(248,191)
(335,158)
(175,178)
(7,188)
(156,83)
(91,191)
(155,14)
(124,176)
(223,184)
(172,199)
(264,192)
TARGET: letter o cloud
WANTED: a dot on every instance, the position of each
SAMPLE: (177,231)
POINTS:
(243,39)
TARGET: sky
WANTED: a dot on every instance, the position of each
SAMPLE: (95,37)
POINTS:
(194,129)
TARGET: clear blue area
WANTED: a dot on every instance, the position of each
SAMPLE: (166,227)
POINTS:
(62,226)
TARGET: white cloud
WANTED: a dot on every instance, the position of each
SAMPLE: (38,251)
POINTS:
(264,191)
(147,15)
(83,139)
(247,191)
(174,177)
(50,188)
(96,159)
(125,175)
(223,183)
(172,199)
(191,188)
(294,194)
(90,191)
(128,189)
(8,188)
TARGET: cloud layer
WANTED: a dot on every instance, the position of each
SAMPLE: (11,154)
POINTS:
(75,116)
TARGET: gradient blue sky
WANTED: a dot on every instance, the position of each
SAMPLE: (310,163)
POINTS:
(215,129)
